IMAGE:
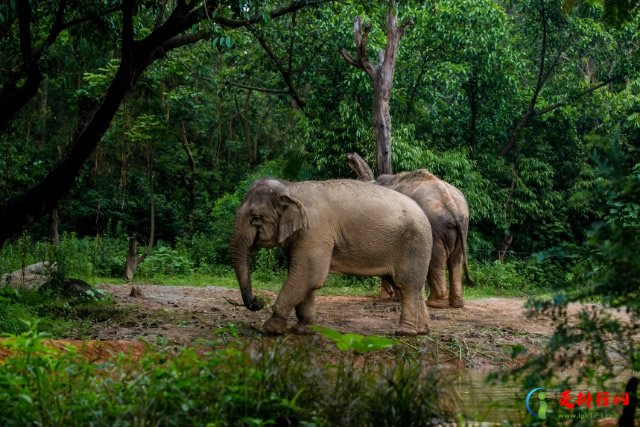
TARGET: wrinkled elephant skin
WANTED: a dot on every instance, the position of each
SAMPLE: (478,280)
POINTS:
(337,226)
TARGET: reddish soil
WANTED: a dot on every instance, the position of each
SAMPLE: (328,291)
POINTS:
(90,350)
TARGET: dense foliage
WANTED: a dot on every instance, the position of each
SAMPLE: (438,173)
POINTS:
(269,384)
(531,108)
(209,115)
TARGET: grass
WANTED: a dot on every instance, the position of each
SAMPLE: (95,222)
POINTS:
(486,287)
(55,315)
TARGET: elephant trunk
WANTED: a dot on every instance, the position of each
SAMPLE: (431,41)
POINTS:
(241,244)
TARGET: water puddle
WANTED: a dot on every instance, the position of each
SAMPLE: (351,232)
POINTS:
(504,403)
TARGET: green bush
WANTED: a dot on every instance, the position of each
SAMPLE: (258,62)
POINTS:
(202,250)
(55,315)
(267,384)
(109,256)
(508,278)
(222,219)
(166,262)
(74,257)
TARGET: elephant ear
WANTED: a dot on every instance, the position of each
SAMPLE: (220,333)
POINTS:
(293,217)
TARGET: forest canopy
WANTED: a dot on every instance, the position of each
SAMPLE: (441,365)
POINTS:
(149,118)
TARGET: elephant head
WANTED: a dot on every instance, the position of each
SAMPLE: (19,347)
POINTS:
(267,217)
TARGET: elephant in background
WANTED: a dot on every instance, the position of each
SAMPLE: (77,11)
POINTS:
(338,226)
(448,213)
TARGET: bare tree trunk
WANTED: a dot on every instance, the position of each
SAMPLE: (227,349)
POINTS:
(504,246)
(133,260)
(152,213)
(382,77)
(54,218)
(382,126)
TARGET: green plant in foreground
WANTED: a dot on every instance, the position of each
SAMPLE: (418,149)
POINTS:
(271,382)
(355,342)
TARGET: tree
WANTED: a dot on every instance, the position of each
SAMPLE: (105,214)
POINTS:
(187,23)
(381,75)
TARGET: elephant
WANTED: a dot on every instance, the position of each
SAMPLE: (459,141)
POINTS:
(334,226)
(448,213)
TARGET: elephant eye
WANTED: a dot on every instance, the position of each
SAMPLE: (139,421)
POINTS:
(255,219)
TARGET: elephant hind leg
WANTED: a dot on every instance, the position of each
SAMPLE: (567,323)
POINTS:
(438,295)
(414,318)
(454,263)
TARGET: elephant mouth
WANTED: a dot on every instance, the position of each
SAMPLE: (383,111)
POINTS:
(262,241)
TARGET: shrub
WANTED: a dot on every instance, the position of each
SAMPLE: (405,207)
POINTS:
(269,383)
(167,262)
(109,256)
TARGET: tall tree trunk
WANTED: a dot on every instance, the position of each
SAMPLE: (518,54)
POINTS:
(191,180)
(54,218)
(54,221)
(133,260)
(381,75)
(382,126)
(472,93)
(152,199)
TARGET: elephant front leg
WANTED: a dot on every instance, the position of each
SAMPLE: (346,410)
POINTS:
(306,314)
(305,276)
(290,296)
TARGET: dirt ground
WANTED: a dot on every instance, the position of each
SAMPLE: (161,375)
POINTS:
(481,335)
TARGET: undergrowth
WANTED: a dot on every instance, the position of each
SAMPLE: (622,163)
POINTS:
(55,314)
(265,383)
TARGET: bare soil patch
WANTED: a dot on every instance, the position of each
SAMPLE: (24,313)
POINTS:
(481,334)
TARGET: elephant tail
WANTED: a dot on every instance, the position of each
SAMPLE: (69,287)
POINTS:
(463,242)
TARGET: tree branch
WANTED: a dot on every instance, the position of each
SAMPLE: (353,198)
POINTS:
(347,57)
(258,89)
(276,61)
(575,96)
(292,7)
(360,38)
(127,31)
(24,28)
(12,96)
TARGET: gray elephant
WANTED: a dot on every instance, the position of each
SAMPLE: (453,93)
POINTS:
(338,226)
(448,213)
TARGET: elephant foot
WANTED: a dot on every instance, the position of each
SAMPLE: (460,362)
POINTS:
(438,303)
(275,326)
(424,330)
(301,329)
(406,331)
(456,303)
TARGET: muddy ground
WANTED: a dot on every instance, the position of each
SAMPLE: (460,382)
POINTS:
(481,335)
